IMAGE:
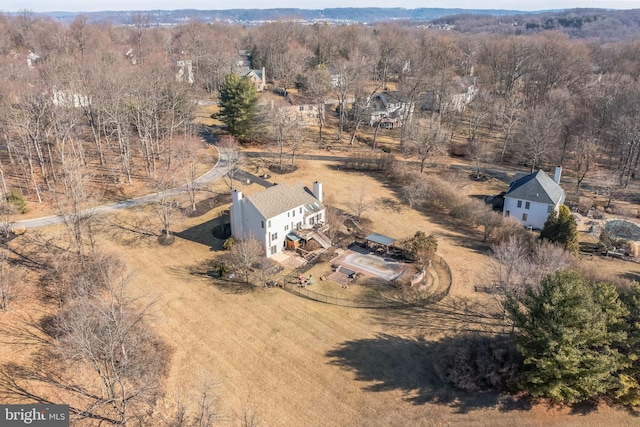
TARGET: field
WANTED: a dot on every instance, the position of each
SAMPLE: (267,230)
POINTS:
(297,362)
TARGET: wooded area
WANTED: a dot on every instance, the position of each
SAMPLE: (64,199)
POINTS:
(89,109)
(109,102)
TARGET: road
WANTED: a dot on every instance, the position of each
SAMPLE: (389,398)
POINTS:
(218,170)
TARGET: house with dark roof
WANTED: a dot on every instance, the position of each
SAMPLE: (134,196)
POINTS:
(282,216)
(388,109)
(242,67)
(531,198)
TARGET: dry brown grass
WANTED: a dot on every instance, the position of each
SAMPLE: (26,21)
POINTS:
(298,362)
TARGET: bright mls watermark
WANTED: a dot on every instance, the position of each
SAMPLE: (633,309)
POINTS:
(34,415)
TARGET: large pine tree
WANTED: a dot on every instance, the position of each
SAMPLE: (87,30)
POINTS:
(238,98)
(568,331)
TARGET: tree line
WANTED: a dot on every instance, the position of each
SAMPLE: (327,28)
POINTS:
(109,96)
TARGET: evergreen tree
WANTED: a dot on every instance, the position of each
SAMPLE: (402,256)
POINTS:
(421,246)
(628,391)
(238,98)
(561,227)
(569,332)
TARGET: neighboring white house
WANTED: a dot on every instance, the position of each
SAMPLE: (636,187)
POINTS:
(531,198)
(282,216)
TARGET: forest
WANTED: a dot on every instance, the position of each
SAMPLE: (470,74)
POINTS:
(108,96)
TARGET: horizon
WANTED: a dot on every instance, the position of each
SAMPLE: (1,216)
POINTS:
(80,6)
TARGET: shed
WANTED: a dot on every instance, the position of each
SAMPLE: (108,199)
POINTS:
(293,241)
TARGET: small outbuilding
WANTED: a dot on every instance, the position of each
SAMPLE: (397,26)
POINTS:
(375,240)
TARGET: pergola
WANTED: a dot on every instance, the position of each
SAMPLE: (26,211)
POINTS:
(379,240)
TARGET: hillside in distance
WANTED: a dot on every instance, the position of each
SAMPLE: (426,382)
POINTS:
(605,25)
(256,16)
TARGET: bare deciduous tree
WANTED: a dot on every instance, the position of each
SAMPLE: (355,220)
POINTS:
(231,159)
(10,277)
(243,255)
(187,153)
(98,355)
(166,204)
(198,408)
(359,202)
(426,139)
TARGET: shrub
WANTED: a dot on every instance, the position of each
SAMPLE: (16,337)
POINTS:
(17,201)
(584,205)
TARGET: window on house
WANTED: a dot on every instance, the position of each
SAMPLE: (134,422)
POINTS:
(286,228)
(288,214)
(527,205)
(507,213)
(269,224)
(300,209)
(262,224)
(519,203)
(319,217)
(549,209)
(311,221)
(524,217)
(274,249)
(274,236)
(301,108)
(294,213)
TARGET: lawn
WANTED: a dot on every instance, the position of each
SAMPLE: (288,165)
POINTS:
(298,362)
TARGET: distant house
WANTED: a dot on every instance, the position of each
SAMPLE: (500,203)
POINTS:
(32,59)
(293,107)
(282,216)
(387,109)
(463,91)
(69,99)
(531,198)
(242,67)
(184,71)
(306,110)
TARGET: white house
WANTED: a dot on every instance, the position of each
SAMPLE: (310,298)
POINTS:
(531,198)
(282,216)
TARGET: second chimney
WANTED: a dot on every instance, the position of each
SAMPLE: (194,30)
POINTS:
(317,190)
(557,175)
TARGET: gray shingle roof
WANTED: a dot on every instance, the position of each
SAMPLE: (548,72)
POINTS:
(536,187)
(283,197)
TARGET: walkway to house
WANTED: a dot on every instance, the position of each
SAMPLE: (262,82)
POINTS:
(289,259)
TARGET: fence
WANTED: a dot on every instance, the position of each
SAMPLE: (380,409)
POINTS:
(290,285)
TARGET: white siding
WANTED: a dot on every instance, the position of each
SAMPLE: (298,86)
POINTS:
(537,213)
(248,222)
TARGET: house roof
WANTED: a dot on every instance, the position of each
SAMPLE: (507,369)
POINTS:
(283,197)
(256,73)
(536,187)
(389,97)
(380,239)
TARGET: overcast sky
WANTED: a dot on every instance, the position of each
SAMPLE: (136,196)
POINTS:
(97,5)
